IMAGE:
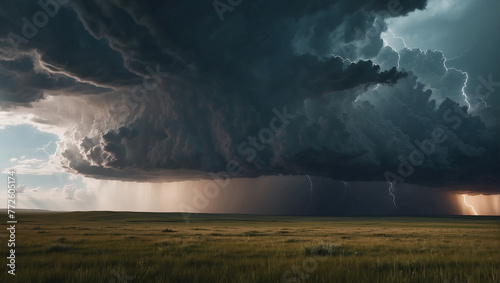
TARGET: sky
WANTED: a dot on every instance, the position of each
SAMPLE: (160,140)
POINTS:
(310,108)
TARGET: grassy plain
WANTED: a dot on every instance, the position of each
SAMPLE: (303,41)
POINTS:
(153,247)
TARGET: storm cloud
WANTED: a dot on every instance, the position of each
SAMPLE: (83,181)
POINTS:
(173,91)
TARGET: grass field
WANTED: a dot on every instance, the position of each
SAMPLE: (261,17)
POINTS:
(152,247)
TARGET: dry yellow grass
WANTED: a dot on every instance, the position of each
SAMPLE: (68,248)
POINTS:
(143,247)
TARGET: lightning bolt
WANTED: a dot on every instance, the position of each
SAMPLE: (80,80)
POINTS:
(470,206)
(311,188)
(341,58)
(391,192)
(344,60)
(311,193)
(466,75)
(394,49)
(346,186)
(463,88)
(464,52)
(398,37)
(466,98)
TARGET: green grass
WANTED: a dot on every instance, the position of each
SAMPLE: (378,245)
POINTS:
(151,247)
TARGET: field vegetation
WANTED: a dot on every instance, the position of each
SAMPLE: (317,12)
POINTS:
(152,247)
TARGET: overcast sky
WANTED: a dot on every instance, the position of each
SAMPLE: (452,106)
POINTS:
(313,107)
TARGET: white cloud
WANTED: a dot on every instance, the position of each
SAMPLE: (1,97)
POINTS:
(69,191)
(23,189)
(33,166)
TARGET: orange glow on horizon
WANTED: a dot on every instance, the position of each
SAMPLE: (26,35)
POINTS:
(479,204)
(470,206)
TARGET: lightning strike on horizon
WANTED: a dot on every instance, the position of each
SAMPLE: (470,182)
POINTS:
(392,195)
(470,206)
(311,194)
(310,181)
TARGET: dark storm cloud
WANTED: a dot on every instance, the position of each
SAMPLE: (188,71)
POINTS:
(433,97)
(467,32)
(429,67)
(22,83)
(55,55)
(223,81)
(468,157)
(226,77)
